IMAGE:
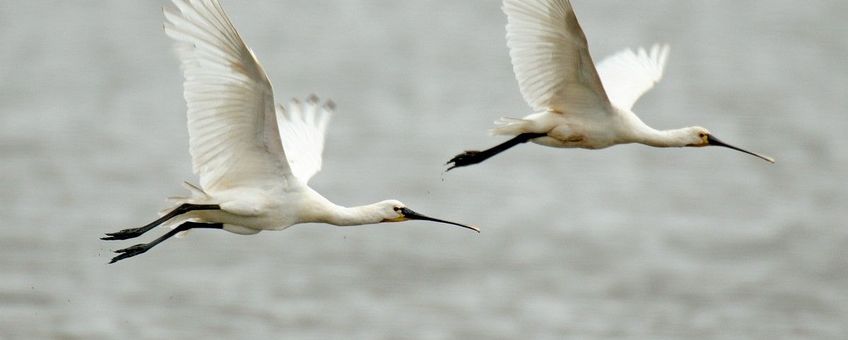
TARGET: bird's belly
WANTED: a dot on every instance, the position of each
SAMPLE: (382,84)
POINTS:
(574,141)
(245,224)
(570,134)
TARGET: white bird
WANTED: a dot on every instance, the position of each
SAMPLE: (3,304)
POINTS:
(253,159)
(575,104)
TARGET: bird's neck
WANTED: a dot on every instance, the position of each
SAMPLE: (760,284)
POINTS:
(665,138)
(328,212)
(639,132)
(359,215)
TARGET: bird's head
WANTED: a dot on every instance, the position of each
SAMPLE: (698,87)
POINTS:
(395,211)
(697,136)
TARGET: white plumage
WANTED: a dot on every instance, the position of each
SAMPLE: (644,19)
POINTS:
(549,54)
(302,129)
(576,105)
(627,75)
(239,141)
(232,125)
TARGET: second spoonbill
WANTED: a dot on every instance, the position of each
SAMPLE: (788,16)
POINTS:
(577,105)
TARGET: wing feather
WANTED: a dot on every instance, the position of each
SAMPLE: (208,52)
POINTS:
(550,57)
(302,129)
(628,74)
(234,139)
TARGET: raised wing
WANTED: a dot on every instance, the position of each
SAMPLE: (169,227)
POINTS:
(627,75)
(233,135)
(551,58)
(302,129)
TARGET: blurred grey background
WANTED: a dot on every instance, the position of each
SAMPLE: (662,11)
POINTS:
(628,242)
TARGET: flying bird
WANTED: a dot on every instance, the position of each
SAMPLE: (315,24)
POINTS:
(254,158)
(575,104)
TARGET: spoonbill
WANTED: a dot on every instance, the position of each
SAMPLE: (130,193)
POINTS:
(575,104)
(254,159)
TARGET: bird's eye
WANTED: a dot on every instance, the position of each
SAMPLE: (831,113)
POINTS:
(397,208)
(702,135)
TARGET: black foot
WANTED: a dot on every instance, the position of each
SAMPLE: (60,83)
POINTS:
(130,252)
(124,234)
(466,158)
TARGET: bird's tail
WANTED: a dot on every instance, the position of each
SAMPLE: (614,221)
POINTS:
(196,196)
(509,126)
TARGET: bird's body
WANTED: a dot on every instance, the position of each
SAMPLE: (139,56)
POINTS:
(249,211)
(576,104)
(562,131)
(254,159)
(591,131)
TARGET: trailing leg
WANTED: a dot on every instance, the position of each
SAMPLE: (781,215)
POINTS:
(136,232)
(143,247)
(473,157)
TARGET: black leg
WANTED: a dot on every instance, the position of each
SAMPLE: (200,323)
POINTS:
(143,247)
(136,232)
(473,157)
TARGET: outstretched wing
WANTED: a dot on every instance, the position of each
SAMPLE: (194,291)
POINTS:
(627,75)
(302,129)
(551,58)
(233,135)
